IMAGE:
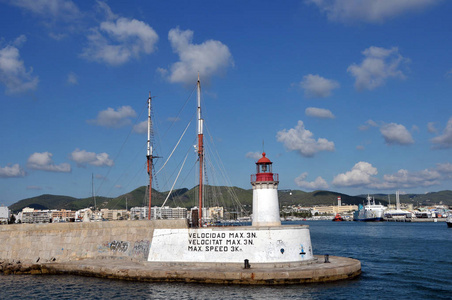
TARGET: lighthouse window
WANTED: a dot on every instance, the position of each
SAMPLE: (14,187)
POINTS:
(264,168)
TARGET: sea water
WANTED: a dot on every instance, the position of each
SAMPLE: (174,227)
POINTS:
(399,261)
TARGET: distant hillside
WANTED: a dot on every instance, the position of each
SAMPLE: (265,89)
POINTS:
(54,202)
(316,198)
(442,197)
(220,196)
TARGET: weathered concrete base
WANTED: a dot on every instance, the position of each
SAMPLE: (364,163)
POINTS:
(339,268)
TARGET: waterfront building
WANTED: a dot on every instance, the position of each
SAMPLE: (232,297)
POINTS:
(139,213)
(334,209)
(62,215)
(5,214)
(114,214)
(30,215)
(215,213)
(166,212)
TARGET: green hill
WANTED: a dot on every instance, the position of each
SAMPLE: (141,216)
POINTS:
(442,197)
(287,198)
(232,198)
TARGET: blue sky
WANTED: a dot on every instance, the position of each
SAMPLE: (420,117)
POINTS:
(350,96)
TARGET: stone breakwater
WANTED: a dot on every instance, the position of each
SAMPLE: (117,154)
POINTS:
(120,250)
(60,242)
(338,268)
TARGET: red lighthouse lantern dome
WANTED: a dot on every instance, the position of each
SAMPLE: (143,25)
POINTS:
(264,169)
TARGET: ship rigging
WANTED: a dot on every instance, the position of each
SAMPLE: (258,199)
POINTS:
(215,193)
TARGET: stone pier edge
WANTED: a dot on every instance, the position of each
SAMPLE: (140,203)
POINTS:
(339,268)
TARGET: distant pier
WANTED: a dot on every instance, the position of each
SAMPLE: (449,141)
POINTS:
(415,220)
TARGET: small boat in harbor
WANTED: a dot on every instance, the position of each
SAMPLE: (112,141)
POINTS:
(338,218)
(449,220)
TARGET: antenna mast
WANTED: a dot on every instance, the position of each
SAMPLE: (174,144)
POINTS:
(92,187)
(149,155)
(200,154)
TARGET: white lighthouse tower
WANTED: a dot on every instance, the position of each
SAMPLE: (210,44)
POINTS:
(265,194)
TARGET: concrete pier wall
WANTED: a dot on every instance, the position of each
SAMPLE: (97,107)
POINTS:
(72,241)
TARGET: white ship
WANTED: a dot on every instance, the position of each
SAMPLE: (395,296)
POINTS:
(398,213)
(369,213)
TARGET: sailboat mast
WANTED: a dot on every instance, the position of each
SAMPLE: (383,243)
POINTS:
(200,154)
(149,154)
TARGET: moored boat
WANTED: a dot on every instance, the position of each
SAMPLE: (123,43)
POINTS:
(338,218)
(449,220)
(369,213)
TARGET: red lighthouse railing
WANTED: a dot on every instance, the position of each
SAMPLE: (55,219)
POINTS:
(263,177)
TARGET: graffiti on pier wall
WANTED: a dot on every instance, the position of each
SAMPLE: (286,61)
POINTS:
(141,248)
(119,246)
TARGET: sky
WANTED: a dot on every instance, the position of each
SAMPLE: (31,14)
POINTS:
(347,96)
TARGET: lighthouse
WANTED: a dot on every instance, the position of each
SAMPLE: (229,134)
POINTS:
(265,194)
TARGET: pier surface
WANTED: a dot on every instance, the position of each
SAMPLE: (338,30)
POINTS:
(120,250)
(338,268)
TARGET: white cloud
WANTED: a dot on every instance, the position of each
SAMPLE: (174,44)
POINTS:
(444,141)
(369,123)
(72,78)
(118,40)
(63,9)
(34,187)
(173,119)
(396,134)
(209,58)
(318,184)
(141,127)
(57,36)
(114,118)
(363,175)
(406,179)
(378,65)
(360,174)
(254,155)
(316,86)
(13,73)
(82,157)
(444,168)
(448,73)
(300,139)
(319,113)
(43,161)
(431,127)
(12,171)
(369,11)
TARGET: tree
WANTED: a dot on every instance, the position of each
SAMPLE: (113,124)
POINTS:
(12,219)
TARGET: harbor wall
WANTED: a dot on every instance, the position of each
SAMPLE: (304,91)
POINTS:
(267,244)
(73,241)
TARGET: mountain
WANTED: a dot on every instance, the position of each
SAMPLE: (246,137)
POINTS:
(442,197)
(287,198)
(233,198)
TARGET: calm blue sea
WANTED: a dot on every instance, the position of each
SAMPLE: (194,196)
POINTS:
(399,261)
